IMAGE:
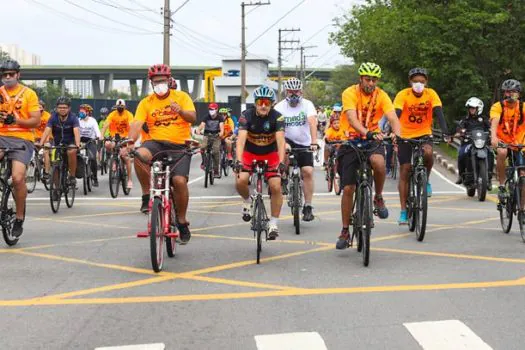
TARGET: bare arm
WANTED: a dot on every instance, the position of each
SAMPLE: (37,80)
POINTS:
(312,120)
(493,132)
(45,135)
(394,122)
(104,128)
(134,130)
(76,132)
(351,114)
(221,129)
(241,142)
(32,122)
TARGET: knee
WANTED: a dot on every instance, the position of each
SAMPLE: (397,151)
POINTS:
(18,179)
(180,182)
(275,187)
(348,190)
(308,173)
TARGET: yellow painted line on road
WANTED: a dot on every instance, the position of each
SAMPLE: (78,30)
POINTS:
(83,223)
(102,214)
(238,283)
(77,242)
(461,209)
(476,222)
(492,198)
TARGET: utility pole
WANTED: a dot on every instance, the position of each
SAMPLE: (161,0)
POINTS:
(167,32)
(302,48)
(280,57)
(244,93)
(304,66)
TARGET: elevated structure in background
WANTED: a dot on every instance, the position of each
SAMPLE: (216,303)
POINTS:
(228,86)
(17,53)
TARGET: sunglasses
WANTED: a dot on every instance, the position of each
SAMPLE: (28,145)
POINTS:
(8,74)
(263,102)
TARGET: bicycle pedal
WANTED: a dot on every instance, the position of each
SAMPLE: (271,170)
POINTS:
(142,235)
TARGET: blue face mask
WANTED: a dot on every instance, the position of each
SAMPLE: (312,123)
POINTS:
(82,115)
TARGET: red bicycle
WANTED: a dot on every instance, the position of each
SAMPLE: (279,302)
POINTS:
(162,221)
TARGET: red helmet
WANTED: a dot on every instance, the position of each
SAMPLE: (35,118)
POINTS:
(172,83)
(213,106)
(159,69)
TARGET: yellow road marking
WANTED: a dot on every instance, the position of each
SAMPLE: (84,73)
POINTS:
(238,283)
(460,209)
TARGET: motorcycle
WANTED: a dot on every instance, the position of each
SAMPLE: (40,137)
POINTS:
(476,175)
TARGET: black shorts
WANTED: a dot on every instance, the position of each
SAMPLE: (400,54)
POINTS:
(404,151)
(348,163)
(303,158)
(181,158)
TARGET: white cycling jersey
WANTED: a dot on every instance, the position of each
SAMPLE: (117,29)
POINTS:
(297,128)
(89,128)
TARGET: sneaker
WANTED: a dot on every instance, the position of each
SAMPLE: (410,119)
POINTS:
(130,184)
(45,176)
(144,208)
(429,189)
(307,213)
(502,193)
(216,174)
(459,181)
(273,232)
(184,233)
(403,218)
(17,228)
(95,182)
(72,181)
(344,240)
(379,207)
(246,212)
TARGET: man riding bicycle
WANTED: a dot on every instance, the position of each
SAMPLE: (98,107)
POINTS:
(169,115)
(118,122)
(415,107)
(507,126)
(261,138)
(213,126)
(227,136)
(364,105)
(19,114)
(89,133)
(301,132)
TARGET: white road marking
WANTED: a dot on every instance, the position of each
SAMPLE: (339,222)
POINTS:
(196,179)
(156,346)
(290,341)
(451,334)
(444,178)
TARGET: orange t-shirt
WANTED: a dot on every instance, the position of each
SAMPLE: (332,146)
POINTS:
(354,99)
(20,101)
(509,129)
(416,115)
(43,123)
(164,124)
(334,135)
(119,123)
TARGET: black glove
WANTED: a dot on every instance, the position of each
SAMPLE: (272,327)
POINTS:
(281,167)
(237,167)
(9,119)
(371,135)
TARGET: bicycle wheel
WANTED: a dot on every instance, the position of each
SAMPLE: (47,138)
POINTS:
(411,204)
(171,242)
(226,167)
(31,175)
(124,179)
(506,211)
(211,169)
(337,184)
(482,181)
(330,179)
(69,194)
(206,170)
(259,227)
(394,165)
(421,206)
(114,177)
(296,206)
(156,235)
(103,161)
(7,214)
(366,224)
(89,175)
(85,183)
(55,193)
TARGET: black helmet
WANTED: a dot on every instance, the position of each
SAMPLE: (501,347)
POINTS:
(417,71)
(63,100)
(511,84)
(104,110)
(10,65)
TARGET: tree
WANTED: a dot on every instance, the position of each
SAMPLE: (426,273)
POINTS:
(317,92)
(115,94)
(468,46)
(340,78)
(4,56)
(49,93)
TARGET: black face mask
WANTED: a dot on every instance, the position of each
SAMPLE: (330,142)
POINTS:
(120,109)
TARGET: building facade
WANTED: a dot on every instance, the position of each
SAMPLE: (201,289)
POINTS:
(23,57)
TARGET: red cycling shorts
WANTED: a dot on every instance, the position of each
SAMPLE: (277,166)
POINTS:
(272,158)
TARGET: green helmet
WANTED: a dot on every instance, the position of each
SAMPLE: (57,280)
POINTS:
(370,69)
(224,111)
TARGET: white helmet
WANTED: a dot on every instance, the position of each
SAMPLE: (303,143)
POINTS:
(475,102)
(293,84)
(121,102)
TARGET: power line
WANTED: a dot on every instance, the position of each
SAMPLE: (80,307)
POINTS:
(316,33)
(144,7)
(192,46)
(83,21)
(106,17)
(129,11)
(270,27)
(210,39)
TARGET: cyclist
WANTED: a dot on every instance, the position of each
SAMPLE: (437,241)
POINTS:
(64,127)
(227,136)
(364,105)
(473,120)
(506,118)
(415,107)
(89,133)
(301,131)
(173,83)
(169,115)
(321,120)
(333,133)
(104,111)
(118,122)
(19,113)
(213,125)
(261,137)
(43,120)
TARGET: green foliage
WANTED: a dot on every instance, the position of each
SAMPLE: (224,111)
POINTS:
(4,56)
(468,46)
(317,92)
(49,93)
(115,94)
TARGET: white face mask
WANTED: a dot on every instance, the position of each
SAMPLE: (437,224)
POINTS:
(418,87)
(161,89)
(213,112)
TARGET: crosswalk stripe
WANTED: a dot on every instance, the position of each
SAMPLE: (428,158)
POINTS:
(450,334)
(290,341)
(156,346)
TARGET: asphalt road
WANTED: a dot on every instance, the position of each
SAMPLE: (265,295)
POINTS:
(80,279)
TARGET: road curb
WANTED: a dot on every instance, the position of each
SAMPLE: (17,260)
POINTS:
(451,168)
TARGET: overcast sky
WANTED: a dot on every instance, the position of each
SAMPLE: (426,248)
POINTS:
(204,31)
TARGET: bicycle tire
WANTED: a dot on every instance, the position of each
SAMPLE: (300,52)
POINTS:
(422,206)
(171,242)
(156,235)
(206,170)
(356,223)
(8,214)
(89,175)
(411,203)
(31,175)
(124,177)
(506,212)
(330,179)
(296,205)
(366,226)
(114,177)
(337,185)
(211,172)
(259,228)
(69,195)
(54,188)
(226,168)
(394,165)
(482,181)
(85,184)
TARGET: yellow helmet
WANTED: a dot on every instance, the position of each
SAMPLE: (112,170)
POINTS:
(370,69)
